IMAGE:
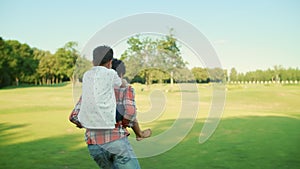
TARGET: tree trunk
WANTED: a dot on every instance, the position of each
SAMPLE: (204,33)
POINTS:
(53,80)
(17,81)
(148,78)
(171,79)
(48,81)
(72,79)
(61,78)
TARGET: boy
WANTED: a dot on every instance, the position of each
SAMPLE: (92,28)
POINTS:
(98,100)
(126,110)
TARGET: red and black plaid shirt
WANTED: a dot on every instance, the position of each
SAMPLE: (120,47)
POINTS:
(124,96)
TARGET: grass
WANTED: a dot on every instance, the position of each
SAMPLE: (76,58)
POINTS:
(259,128)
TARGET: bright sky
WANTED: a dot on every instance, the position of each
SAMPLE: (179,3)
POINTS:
(247,35)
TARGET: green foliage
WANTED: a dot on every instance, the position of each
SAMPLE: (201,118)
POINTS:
(160,60)
(22,64)
(217,75)
(82,65)
(182,75)
(65,61)
(278,73)
(17,63)
(151,59)
(233,74)
(147,61)
(5,74)
(46,68)
(200,74)
(205,75)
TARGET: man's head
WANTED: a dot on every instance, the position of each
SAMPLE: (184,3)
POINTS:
(119,67)
(102,55)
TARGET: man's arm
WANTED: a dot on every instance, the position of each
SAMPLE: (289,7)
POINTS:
(74,114)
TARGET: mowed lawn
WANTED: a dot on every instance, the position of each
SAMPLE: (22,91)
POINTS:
(259,129)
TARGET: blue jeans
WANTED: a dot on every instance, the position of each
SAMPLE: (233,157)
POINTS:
(114,155)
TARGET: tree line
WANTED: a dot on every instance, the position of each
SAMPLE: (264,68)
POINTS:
(147,61)
(159,60)
(276,74)
(21,63)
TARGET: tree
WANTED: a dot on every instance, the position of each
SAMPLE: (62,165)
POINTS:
(171,56)
(132,57)
(45,68)
(28,64)
(170,52)
(5,76)
(82,65)
(17,63)
(183,75)
(21,63)
(146,57)
(37,56)
(13,60)
(217,75)
(233,74)
(200,74)
(65,61)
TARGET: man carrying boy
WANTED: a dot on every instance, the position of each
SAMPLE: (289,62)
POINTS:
(107,140)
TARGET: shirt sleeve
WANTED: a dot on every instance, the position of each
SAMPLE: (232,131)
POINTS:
(74,114)
(129,105)
(116,79)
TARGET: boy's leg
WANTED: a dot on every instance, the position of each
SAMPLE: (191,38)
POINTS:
(139,133)
(137,130)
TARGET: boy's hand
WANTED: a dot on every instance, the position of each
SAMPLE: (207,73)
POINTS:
(125,122)
(124,83)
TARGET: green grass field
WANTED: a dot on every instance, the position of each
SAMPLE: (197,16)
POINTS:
(259,129)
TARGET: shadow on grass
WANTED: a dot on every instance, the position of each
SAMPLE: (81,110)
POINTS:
(250,142)
(61,152)
(5,138)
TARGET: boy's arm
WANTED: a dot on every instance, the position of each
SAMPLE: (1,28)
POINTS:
(129,107)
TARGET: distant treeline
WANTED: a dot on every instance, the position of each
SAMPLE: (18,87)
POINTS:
(21,63)
(277,74)
(147,61)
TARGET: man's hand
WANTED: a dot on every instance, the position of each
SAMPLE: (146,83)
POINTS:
(79,126)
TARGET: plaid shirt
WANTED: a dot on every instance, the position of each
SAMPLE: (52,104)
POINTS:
(124,97)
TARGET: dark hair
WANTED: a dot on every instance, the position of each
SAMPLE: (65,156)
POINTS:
(118,66)
(102,55)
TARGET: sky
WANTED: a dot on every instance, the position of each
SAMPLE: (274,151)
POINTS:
(246,35)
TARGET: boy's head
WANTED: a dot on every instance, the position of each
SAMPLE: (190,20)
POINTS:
(102,55)
(119,67)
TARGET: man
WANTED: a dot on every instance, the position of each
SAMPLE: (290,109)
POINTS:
(109,146)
